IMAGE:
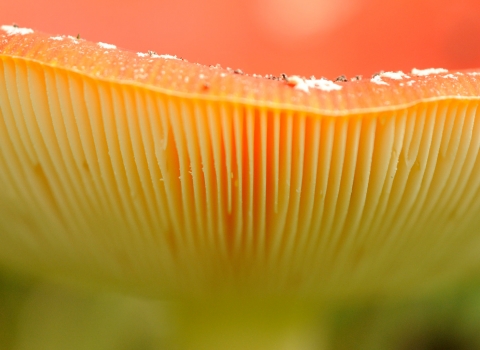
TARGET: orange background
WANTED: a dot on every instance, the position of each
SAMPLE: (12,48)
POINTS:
(307,37)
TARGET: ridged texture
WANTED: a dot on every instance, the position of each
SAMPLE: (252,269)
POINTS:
(131,186)
(142,186)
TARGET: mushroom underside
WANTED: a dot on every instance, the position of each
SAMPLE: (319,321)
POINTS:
(165,194)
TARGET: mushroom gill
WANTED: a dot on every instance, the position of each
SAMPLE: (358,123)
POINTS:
(154,174)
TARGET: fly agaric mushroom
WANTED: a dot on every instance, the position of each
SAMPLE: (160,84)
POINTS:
(238,194)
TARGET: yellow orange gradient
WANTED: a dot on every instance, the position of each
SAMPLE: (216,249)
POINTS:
(173,178)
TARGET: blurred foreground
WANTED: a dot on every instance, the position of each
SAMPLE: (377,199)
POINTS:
(38,315)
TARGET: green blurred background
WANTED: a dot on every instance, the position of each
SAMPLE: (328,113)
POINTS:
(41,315)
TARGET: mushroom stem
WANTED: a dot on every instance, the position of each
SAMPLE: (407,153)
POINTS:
(251,325)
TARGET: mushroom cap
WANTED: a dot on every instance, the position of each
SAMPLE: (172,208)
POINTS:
(153,174)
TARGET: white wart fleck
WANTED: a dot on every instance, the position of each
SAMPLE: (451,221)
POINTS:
(377,79)
(323,84)
(394,75)
(307,84)
(451,76)
(106,46)
(167,57)
(428,71)
(12,30)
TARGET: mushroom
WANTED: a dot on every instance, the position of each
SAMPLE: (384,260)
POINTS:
(253,201)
